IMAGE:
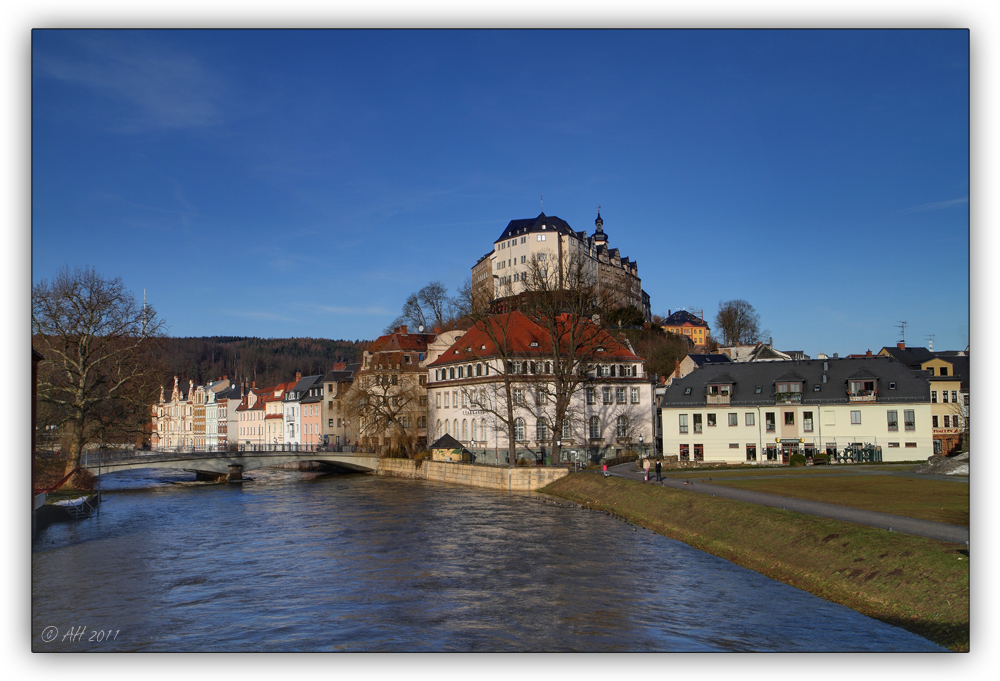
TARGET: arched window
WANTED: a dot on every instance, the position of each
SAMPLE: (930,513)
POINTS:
(461,372)
(474,430)
(479,370)
(519,429)
(464,430)
(439,433)
(482,428)
(622,429)
(468,371)
(595,428)
(567,430)
(542,428)
(455,424)
(447,427)
(451,372)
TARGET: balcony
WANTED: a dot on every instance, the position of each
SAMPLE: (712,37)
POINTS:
(862,396)
(717,399)
(788,398)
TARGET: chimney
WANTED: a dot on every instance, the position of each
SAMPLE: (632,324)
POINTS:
(868,354)
(253,385)
(437,330)
(901,345)
(402,330)
(677,367)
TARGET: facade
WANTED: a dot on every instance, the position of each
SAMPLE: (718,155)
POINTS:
(172,425)
(550,239)
(336,427)
(389,392)
(274,415)
(611,413)
(763,412)
(250,420)
(948,374)
(683,323)
(293,409)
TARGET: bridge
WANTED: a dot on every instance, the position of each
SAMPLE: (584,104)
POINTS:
(223,466)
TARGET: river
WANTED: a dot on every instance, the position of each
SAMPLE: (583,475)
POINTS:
(295,561)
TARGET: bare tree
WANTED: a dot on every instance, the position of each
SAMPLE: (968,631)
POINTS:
(100,370)
(564,301)
(387,403)
(739,322)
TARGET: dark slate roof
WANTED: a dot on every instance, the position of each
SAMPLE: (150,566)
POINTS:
(910,386)
(723,378)
(682,317)
(911,357)
(446,442)
(300,389)
(233,393)
(529,225)
(701,360)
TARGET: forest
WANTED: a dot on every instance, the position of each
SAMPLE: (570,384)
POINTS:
(264,361)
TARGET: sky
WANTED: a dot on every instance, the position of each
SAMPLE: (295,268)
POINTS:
(302,183)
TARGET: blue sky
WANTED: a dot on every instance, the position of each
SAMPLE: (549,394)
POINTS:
(303,183)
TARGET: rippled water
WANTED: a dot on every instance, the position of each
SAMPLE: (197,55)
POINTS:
(303,562)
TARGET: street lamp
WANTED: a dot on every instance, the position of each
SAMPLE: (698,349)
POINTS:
(641,449)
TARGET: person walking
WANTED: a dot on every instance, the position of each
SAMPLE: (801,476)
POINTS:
(605,470)
(659,469)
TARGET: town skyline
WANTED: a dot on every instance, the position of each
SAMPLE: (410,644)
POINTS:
(803,171)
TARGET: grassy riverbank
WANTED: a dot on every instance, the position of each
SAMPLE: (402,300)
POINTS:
(918,584)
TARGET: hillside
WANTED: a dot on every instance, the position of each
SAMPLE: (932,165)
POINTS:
(264,360)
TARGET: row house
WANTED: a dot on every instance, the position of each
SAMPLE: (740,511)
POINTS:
(274,414)
(948,373)
(546,238)
(181,422)
(301,411)
(612,410)
(337,428)
(389,394)
(250,419)
(764,412)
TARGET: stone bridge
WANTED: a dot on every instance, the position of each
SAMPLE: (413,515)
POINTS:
(222,466)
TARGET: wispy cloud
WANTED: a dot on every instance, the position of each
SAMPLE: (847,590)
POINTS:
(937,205)
(155,86)
(372,310)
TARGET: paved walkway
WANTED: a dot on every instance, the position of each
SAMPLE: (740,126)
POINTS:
(887,521)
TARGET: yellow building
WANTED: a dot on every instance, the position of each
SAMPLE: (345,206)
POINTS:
(683,323)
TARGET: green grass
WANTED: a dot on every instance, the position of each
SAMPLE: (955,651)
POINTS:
(921,585)
(772,470)
(937,500)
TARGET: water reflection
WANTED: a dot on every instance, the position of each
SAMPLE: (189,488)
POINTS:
(294,562)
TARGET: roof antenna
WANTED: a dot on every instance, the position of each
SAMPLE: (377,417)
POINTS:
(902,332)
(541,203)
(930,342)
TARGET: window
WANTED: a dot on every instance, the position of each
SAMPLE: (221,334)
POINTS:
(437,400)
(540,396)
(567,429)
(590,395)
(621,431)
(934,421)
(892,417)
(541,237)
(934,397)
(944,371)
(699,452)
(751,452)
(734,419)
(909,421)
(595,428)
(769,421)
(685,452)
(711,420)
(474,429)
(789,418)
(446,400)
(750,418)
(911,444)
(542,431)
(620,395)
(734,445)
(606,391)
(543,256)
(697,423)
(947,421)
(682,420)
(944,396)
(893,444)
(954,396)
(855,417)
(518,397)
(519,429)
(635,395)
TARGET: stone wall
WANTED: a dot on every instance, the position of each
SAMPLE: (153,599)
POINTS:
(506,479)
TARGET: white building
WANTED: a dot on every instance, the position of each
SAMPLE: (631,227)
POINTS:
(612,411)
(763,412)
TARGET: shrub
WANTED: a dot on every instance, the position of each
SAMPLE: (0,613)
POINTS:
(797,460)
(820,459)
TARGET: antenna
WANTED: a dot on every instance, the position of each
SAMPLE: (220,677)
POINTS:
(541,203)
(902,332)
(930,342)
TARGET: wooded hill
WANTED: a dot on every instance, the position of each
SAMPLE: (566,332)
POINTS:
(266,361)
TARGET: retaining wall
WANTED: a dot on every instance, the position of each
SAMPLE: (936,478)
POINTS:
(506,479)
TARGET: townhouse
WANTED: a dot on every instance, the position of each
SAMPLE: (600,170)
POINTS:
(764,412)
(337,429)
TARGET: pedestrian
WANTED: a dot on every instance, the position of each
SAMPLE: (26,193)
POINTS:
(605,470)
(646,478)
(659,469)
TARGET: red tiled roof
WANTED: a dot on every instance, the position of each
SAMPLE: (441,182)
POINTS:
(521,333)
(416,342)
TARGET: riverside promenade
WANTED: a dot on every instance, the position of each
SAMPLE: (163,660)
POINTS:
(897,523)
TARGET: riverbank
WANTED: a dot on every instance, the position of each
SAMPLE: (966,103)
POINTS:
(918,584)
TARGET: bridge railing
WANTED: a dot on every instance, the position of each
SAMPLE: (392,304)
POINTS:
(93,458)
